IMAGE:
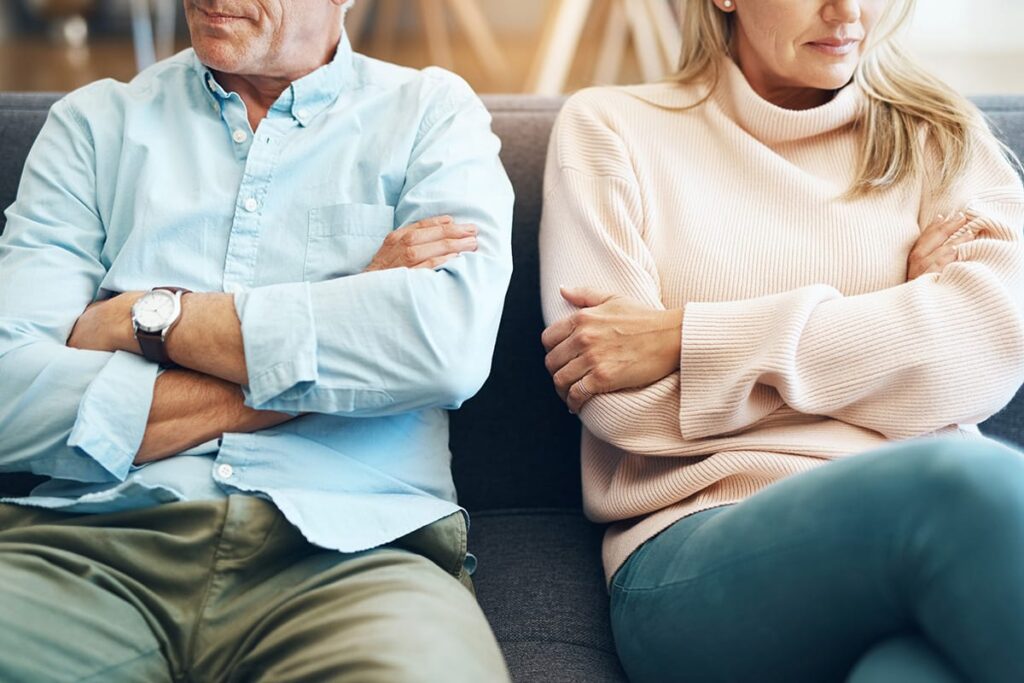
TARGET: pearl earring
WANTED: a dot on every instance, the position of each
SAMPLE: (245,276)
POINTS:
(727,4)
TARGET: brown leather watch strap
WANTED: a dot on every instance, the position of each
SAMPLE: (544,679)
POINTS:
(152,344)
(153,347)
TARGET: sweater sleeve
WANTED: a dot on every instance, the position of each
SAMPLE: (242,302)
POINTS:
(946,348)
(592,235)
(943,349)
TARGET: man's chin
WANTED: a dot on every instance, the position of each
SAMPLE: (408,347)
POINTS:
(219,56)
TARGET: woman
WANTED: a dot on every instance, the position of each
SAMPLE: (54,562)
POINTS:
(762,280)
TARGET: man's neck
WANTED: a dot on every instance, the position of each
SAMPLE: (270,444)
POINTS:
(257,92)
(260,92)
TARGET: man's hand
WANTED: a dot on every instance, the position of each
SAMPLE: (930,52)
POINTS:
(611,343)
(428,244)
(938,245)
(107,325)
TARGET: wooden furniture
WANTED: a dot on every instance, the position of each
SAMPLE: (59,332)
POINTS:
(153,37)
(434,15)
(651,26)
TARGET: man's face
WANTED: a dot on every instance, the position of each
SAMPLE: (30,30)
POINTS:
(270,38)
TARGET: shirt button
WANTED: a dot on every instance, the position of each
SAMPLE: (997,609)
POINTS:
(302,113)
(225,471)
(239,136)
(251,204)
(211,84)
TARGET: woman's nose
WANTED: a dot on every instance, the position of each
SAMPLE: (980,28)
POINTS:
(841,11)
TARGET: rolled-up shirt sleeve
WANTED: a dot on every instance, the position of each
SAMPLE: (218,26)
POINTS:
(64,413)
(397,340)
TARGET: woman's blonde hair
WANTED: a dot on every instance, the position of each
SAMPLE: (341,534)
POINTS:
(902,97)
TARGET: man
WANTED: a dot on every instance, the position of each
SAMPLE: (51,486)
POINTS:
(250,479)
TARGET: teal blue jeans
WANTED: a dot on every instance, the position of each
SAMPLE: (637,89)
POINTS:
(902,565)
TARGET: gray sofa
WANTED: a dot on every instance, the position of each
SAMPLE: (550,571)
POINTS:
(515,445)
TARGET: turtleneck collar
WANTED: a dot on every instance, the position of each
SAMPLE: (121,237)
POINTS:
(760,118)
(772,124)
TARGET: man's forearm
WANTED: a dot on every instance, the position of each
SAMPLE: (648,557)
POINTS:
(208,337)
(190,408)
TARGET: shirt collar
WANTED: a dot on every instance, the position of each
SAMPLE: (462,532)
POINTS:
(304,99)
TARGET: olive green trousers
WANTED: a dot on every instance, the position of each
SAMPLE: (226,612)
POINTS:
(230,591)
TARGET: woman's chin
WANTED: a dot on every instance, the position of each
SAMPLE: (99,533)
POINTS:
(830,76)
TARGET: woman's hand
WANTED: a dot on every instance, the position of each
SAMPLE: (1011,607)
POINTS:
(611,343)
(429,243)
(938,245)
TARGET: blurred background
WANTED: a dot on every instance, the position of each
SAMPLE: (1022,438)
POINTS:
(546,46)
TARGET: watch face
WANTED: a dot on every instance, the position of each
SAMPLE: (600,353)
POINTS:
(155,310)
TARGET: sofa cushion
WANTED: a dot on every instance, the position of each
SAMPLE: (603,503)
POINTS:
(21,117)
(540,583)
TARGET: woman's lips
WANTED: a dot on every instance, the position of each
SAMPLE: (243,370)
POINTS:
(834,47)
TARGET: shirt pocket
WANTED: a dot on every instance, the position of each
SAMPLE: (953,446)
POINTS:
(343,239)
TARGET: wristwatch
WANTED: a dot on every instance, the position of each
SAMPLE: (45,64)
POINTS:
(153,316)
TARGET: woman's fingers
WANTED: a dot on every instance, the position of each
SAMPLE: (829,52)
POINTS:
(936,248)
(942,258)
(937,233)
(961,236)
(556,333)
(568,375)
(562,354)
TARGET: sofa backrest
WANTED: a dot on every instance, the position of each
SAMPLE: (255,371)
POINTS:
(515,445)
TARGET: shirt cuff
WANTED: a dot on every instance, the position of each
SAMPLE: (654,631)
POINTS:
(114,412)
(279,337)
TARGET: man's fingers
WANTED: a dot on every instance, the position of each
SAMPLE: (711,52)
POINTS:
(428,222)
(445,247)
(436,262)
(436,233)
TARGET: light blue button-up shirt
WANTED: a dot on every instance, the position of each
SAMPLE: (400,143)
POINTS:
(163,182)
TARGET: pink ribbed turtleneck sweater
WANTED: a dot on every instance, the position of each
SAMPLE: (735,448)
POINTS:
(802,341)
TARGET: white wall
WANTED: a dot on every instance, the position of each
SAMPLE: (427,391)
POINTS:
(974,45)
(968,26)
